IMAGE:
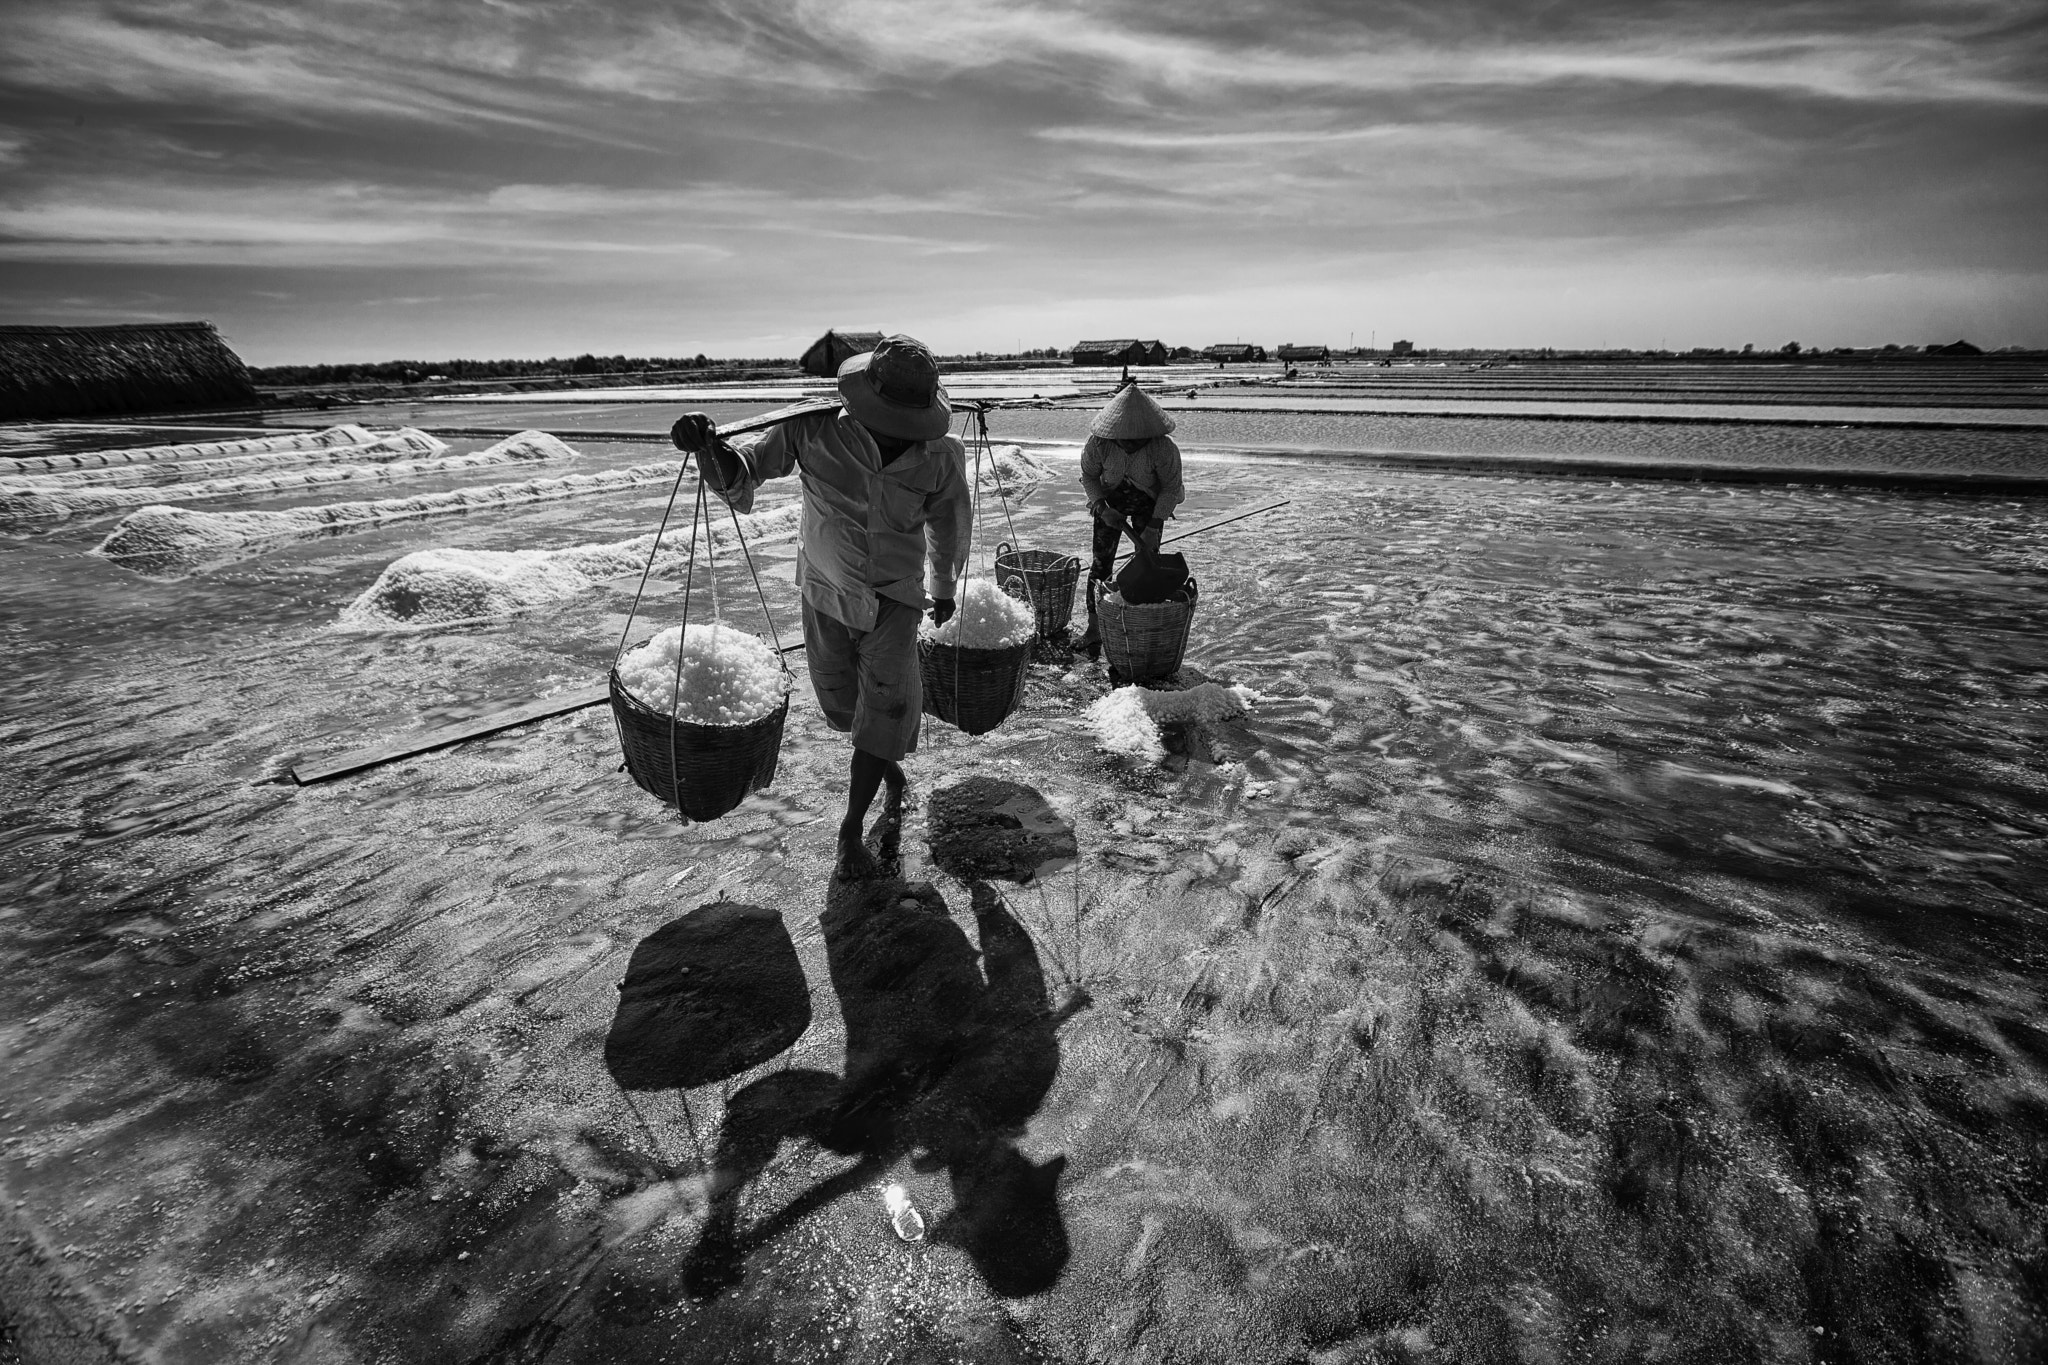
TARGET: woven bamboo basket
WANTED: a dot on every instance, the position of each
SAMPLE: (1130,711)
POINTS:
(973,689)
(1145,643)
(1043,578)
(701,770)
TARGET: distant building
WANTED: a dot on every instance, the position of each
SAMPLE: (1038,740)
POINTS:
(1954,348)
(127,367)
(1122,351)
(834,349)
(1223,353)
(1404,348)
(1315,354)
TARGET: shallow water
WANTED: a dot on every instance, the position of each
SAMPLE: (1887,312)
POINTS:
(1574,817)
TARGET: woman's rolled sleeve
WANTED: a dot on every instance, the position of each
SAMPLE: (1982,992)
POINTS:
(1091,470)
(1166,465)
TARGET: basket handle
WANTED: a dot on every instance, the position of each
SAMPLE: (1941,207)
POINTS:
(1016,587)
(1002,548)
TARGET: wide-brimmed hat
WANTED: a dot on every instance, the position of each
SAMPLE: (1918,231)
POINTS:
(894,389)
(1131,416)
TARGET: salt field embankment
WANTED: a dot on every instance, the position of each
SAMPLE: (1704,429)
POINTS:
(1607,924)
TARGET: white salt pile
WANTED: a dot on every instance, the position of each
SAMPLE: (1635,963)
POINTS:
(443,587)
(431,588)
(1011,472)
(346,434)
(986,617)
(728,676)
(526,447)
(392,446)
(177,542)
(1127,720)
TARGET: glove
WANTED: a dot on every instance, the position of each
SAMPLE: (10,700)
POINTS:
(720,465)
(942,610)
(1107,515)
(694,431)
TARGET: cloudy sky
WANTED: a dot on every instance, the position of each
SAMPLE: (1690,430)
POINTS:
(363,179)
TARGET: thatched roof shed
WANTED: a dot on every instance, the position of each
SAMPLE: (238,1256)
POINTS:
(834,349)
(1121,351)
(132,367)
(1292,352)
(1224,352)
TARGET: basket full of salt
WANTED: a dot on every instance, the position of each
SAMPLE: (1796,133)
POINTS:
(1144,641)
(700,711)
(1045,579)
(973,667)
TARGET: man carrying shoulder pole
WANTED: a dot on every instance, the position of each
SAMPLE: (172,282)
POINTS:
(886,515)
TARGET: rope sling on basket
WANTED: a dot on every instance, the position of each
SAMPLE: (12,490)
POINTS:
(1044,578)
(701,767)
(974,689)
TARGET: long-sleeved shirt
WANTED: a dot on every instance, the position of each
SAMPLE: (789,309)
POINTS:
(868,527)
(1155,467)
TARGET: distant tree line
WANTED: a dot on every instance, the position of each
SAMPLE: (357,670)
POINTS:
(415,371)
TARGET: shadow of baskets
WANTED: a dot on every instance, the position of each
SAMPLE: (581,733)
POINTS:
(706,997)
(1145,642)
(973,689)
(701,770)
(1043,578)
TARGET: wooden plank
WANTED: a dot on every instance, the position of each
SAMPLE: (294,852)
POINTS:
(442,736)
(746,424)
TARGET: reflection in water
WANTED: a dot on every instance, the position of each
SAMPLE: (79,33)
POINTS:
(945,1061)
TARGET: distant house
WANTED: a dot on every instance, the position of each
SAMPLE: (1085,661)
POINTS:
(1315,354)
(1223,354)
(1122,351)
(1955,348)
(834,349)
(1404,348)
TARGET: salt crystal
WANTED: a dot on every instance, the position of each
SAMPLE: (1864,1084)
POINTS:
(728,677)
(1127,720)
(984,617)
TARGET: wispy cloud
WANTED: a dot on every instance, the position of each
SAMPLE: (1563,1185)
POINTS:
(1917,52)
(310,225)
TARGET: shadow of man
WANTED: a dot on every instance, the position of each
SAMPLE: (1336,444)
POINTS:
(947,1057)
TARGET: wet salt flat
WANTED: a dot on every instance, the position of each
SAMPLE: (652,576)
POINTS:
(2017,400)
(1477,439)
(1613,933)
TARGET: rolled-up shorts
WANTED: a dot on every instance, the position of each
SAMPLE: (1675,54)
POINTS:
(867,680)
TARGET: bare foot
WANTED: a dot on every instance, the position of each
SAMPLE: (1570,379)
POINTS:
(853,862)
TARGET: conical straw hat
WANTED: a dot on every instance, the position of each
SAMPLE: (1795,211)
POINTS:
(1130,415)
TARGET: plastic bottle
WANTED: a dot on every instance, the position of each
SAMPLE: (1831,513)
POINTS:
(903,1215)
